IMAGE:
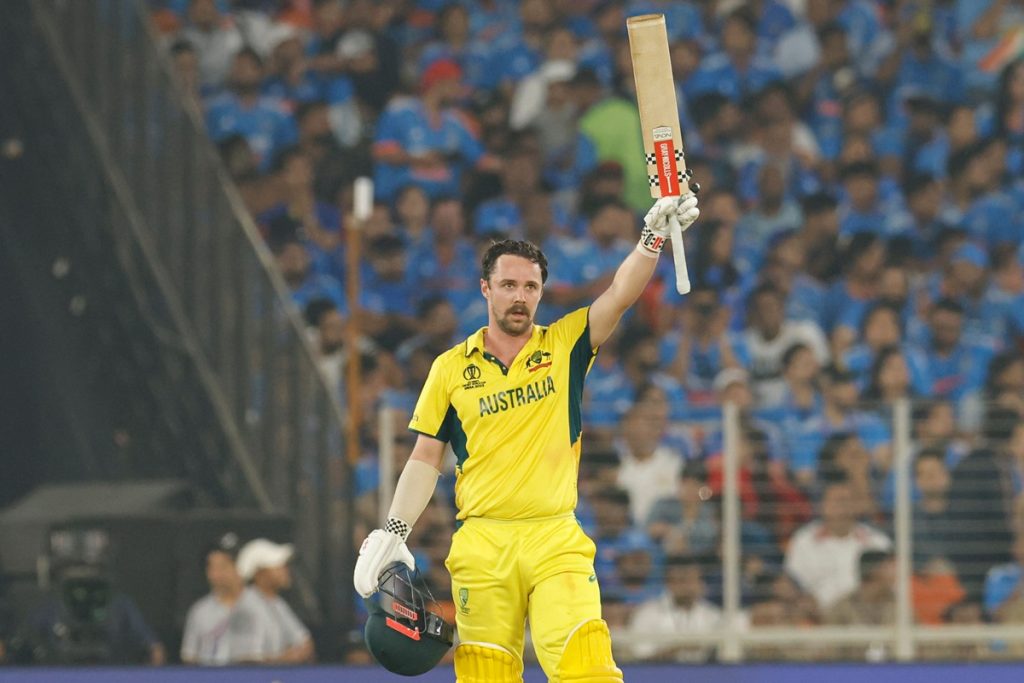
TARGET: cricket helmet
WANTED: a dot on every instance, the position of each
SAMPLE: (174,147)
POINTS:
(404,632)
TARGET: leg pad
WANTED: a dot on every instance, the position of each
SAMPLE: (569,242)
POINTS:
(486,663)
(587,657)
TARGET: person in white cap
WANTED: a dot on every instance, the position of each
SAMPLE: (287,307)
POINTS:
(282,638)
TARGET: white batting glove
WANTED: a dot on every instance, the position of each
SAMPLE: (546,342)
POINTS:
(380,549)
(656,223)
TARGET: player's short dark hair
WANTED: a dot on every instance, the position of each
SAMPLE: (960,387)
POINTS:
(523,248)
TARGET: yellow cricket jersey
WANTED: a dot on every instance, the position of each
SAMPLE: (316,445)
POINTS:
(515,431)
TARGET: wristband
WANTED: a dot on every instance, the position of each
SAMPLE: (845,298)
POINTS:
(651,243)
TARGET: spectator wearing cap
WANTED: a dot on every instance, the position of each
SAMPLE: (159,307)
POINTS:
(282,637)
(737,71)
(769,334)
(956,366)
(822,555)
(242,109)
(425,140)
(839,413)
(681,607)
(219,628)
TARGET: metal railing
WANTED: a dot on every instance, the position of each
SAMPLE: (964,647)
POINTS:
(179,220)
(736,638)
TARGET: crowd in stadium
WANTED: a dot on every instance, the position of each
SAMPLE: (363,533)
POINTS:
(862,214)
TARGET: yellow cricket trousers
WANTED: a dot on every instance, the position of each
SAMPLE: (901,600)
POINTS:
(504,571)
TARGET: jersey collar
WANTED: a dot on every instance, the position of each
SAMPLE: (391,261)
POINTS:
(475,342)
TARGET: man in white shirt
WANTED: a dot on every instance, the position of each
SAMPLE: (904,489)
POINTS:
(648,469)
(823,555)
(770,335)
(220,627)
(680,609)
(283,639)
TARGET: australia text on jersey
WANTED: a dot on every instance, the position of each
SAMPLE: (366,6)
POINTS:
(513,398)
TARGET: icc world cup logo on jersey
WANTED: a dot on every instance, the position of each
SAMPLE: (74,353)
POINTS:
(471,373)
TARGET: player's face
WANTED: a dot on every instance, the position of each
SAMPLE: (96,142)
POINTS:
(513,293)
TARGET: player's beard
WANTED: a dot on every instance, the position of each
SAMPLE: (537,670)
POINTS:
(514,326)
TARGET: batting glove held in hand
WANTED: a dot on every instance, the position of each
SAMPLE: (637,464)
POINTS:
(380,549)
(656,223)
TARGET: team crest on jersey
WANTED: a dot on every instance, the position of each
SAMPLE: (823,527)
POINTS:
(471,373)
(537,360)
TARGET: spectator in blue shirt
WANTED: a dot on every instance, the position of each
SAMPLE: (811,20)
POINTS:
(881,328)
(458,43)
(849,297)
(986,307)
(986,212)
(520,178)
(773,214)
(826,87)
(840,413)
(957,368)
(1004,585)
(819,236)
(439,260)
(293,261)
(924,198)
(861,210)
(263,121)
(800,400)
(390,293)
(736,72)
(424,140)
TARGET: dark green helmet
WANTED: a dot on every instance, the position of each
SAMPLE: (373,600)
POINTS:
(402,633)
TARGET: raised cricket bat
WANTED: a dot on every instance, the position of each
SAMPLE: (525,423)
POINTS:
(659,122)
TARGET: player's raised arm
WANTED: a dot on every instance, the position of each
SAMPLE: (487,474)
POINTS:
(415,487)
(636,270)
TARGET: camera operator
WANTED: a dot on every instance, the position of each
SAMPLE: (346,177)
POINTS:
(85,620)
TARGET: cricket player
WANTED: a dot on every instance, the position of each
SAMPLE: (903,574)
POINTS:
(508,401)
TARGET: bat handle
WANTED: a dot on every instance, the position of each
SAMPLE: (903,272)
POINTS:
(678,256)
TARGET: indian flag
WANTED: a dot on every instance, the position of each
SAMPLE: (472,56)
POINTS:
(1009,47)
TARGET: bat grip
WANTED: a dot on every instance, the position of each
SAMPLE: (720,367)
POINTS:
(678,256)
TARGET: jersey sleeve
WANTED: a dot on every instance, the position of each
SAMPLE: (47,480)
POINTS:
(430,416)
